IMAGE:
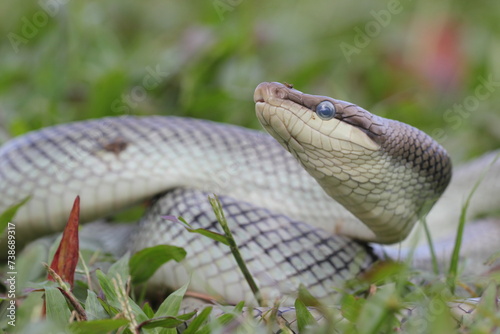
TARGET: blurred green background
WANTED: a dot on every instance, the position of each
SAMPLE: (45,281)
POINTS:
(434,65)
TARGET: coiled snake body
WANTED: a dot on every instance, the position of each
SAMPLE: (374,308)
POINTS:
(381,174)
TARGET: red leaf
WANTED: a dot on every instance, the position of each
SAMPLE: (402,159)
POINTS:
(66,256)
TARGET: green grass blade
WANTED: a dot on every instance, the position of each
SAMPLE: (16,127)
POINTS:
(452,272)
(207,233)
(219,214)
(210,234)
(435,265)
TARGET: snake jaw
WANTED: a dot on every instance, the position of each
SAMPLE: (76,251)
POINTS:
(385,172)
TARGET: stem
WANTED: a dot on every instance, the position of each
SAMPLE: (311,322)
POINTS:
(219,214)
(435,266)
(452,272)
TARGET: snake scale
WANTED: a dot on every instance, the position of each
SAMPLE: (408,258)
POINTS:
(303,214)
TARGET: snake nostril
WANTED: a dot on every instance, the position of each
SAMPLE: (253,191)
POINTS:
(279,93)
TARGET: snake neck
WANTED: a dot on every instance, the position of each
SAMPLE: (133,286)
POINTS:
(400,182)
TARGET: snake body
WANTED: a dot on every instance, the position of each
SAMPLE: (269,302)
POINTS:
(382,175)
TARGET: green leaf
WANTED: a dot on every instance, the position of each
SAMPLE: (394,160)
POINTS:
(120,268)
(209,234)
(144,263)
(307,298)
(351,307)
(108,289)
(304,318)
(172,304)
(57,309)
(180,218)
(487,309)
(97,326)
(198,321)
(146,308)
(377,309)
(93,307)
(42,285)
(7,215)
(223,320)
(112,298)
(238,308)
(34,252)
(168,321)
(110,310)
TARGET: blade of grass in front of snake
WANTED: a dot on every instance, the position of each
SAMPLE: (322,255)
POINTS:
(452,272)
(219,214)
(435,265)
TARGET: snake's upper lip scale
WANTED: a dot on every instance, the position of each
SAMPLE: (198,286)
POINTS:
(260,91)
(268,91)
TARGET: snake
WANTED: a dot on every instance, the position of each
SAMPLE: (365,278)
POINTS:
(305,201)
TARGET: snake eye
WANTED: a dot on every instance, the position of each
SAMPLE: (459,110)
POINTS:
(325,110)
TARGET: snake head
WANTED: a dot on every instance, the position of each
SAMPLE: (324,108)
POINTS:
(387,173)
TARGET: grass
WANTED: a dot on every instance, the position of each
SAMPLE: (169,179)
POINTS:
(90,59)
(390,295)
